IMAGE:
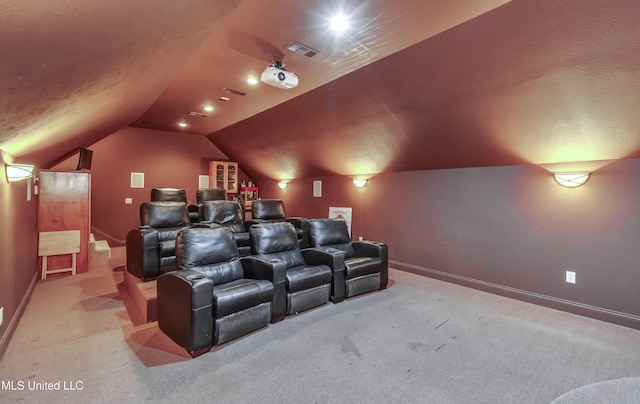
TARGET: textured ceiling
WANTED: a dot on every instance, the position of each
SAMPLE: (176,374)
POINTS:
(413,85)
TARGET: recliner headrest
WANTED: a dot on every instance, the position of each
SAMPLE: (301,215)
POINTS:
(222,212)
(268,209)
(164,214)
(203,246)
(323,232)
(210,194)
(168,195)
(269,238)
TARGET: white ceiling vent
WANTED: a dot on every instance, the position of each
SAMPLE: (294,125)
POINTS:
(301,49)
(200,114)
(232,91)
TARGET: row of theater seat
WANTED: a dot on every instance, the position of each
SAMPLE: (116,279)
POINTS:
(151,246)
(215,295)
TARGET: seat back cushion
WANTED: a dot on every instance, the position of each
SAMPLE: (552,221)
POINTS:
(270,238)
(212,251)
(168,195)
(164,214)
(210,194)
(268,209)
(331,233)
(222,212)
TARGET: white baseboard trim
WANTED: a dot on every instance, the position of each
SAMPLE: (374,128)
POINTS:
(587,310)
(13,324)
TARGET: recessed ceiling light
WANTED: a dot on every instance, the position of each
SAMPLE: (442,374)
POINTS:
(224,98)
(208,108)
(252,80)
(340,23)
(182,124)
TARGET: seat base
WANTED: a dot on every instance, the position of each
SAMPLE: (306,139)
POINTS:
(241,323)
(308,298)
(144,297)
(362,284)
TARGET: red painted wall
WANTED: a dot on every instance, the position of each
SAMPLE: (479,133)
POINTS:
(18,261)
(166,159)
(509,230)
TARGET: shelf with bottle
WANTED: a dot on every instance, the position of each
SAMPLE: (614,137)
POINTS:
(247,195)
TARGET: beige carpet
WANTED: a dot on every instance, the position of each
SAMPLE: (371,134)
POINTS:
(419,341)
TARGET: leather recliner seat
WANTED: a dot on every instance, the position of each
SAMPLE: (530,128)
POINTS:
(300,279)
(211,299)
(272,211)
(175,195)
(366,263)
(151,247)
(228,214)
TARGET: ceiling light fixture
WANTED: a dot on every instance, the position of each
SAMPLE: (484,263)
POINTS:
(252,80)
(208,108)
(340,23)
(571,180)
(182,124)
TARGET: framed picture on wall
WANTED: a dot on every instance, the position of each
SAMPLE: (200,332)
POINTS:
(342,214)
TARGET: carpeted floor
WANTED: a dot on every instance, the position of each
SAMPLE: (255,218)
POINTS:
(419,341)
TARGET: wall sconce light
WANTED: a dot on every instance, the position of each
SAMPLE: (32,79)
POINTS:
(18,172)
(571,180)
(283,184)
(360,182)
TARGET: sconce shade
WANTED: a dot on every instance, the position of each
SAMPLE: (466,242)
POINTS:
(571,180)
(18,172)
(360,182)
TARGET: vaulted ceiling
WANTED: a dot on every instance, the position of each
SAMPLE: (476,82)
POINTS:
(411,85)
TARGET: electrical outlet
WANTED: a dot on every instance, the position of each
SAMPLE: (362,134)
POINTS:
(360,238)
(570,277)
(128,201)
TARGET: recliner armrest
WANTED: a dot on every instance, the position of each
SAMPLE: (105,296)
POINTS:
(299,222)
(370,249)
(142,252)
(375,249)
(274,270)
(185,309)
(333,258)
(178,287)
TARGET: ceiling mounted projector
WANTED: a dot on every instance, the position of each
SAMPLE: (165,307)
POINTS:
(275,75)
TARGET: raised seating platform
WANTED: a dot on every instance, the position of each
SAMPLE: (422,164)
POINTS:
(143,296)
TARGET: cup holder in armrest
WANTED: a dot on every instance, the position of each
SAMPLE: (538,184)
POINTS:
(195,277)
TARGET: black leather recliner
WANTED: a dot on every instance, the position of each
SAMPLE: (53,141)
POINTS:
(366,263)
(272,211)
(151,247)
(208,194)
(175,195)
(301,281)
(210,300)
(228,214)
